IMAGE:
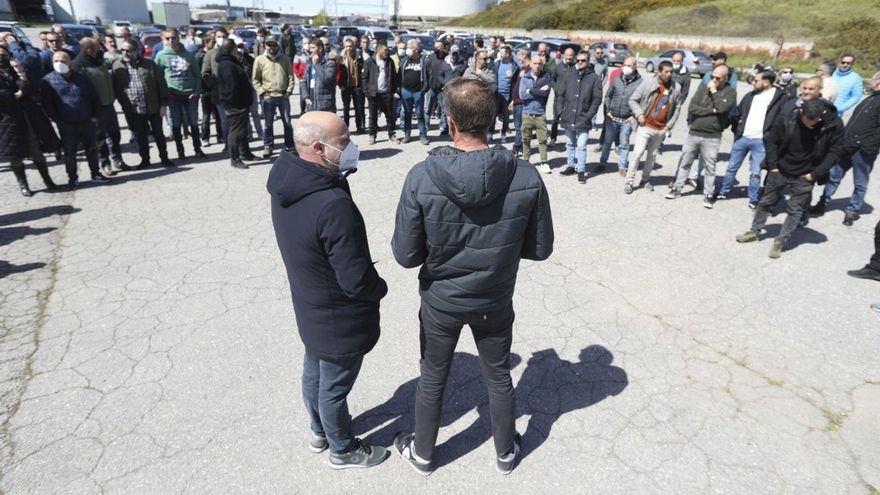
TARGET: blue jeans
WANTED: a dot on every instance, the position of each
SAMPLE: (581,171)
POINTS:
(108,135)
(621,132)
(755,148)
(413,99)
(502,113)
(282,103)
(178,104)
(861,165)
(255,116)
(579,137)
(325,388)
(517,127)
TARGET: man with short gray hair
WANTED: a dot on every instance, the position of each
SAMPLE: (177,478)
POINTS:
(333,283)
(467,215)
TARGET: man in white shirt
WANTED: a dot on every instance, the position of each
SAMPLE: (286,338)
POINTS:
(829,86)
(754,116)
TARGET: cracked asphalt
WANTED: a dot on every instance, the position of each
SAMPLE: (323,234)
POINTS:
(148,345)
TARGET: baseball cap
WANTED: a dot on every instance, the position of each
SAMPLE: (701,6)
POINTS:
(717,55)
(271,39)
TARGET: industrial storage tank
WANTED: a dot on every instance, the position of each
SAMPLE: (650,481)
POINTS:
(408,9)
(105,11)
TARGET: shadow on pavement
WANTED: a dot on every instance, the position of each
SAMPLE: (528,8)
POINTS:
(36,214)
(548,389)
(7,268)
(373,154)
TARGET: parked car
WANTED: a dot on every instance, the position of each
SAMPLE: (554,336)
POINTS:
(12,27)
(518,40)
(615,52)
(150,40)
(426,41)
(555,47)
(78,31)
(379,34)
(696,61)
(143,31)
(249,37)
(338,33)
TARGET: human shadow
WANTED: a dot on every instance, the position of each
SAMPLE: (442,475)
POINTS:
(549,388)
(36,214)
(135,176)
(803,235)
(374,154)
(9,235)
(842,202)
(7,268)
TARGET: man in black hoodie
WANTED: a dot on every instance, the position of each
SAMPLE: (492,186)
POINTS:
(801,149)
(333,284)
(467,215)
(236,95)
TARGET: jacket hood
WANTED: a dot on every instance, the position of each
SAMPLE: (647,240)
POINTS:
(222,56)
(471,179)
(292,179)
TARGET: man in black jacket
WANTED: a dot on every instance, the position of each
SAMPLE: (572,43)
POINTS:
(578,95)
(861,144)
(438,73)
(380,82)
(467,215)
(801,149)
(752,118)
(333,284)
(234,91)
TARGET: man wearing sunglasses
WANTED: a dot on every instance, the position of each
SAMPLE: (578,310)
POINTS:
(185,86)
(849,84)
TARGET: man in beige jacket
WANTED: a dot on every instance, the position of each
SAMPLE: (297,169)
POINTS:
(273,81)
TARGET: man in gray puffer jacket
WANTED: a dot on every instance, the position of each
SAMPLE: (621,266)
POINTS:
(468,215)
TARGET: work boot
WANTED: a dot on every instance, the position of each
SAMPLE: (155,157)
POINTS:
(776,250)
(818,209)
(849,218)
(748,236)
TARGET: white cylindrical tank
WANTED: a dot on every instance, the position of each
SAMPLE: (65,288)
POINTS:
(105,10)
(441,8)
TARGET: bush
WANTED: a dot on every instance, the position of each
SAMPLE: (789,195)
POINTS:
(861,37)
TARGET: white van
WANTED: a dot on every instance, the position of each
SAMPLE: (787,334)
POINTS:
(118,25)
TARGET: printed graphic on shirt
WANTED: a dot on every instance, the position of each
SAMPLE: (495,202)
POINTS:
(179,68)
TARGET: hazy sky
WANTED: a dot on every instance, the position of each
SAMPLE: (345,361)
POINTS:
(344,7)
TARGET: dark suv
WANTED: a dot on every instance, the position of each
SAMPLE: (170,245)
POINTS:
(337,34)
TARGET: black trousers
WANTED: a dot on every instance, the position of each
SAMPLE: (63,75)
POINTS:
(210,109)
(238,132)
(382,103)
(353,96)
(774,186)
(875,260)
(144,125)
(493,334)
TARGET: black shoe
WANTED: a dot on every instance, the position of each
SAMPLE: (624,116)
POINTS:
(444,132)
(72,184)
(145,163)
(568,171)
(250,157)
(166,162)
(867,273)
(361,456)
(818,209)
(582,178)
(26,191)
(404,444)
(100,179)
(505,464)
(237,163)
(849,218)
(199,153)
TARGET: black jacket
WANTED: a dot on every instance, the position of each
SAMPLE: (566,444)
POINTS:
(323,242)
(370,77)
(863,128)
(233,85)
(578,95)
(439,72)
(829,144)
(468,219)
(741,113)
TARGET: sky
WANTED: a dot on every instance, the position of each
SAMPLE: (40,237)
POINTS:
(344,7)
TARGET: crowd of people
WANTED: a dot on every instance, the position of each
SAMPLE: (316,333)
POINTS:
(77,84)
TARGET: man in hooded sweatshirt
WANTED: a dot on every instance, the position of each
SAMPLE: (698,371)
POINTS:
(333,283)
(467,215)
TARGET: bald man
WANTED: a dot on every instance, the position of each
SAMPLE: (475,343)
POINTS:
(70,100)
(334,286)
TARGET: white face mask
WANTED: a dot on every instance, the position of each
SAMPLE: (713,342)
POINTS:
(260,39)
(787,76)
(676,66)
(627,71)
(348,158)
(61,67)
(220,40)
(409,52)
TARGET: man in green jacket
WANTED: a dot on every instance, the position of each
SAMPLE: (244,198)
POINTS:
(273,81)
(91,64)
(140,86)
(184,85)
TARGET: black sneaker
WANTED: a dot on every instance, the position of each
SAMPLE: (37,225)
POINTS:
(145,163)
(849,218)
(818,209)
(708,202)
(361,456)
(237,163)
(867,273)
(582,178)
(100,179)
(505,464)
(166,162)
(568,171)
(674,193)
(318,443)
(72,184)
(404,445)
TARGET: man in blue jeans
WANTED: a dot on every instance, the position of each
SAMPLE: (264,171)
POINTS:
(273,82)
(861,145)
(579,93)
(413,85)
(185,87)
(333,282)
(753,117)
(618,114)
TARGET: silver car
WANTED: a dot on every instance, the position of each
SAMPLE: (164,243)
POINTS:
(697,62)
(615,52)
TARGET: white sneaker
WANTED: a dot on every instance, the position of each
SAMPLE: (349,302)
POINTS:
(544,168)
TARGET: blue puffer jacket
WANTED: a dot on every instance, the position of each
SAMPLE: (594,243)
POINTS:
(532,93)
(849,90)
(70,100)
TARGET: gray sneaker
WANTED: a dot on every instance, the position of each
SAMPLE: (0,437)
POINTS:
(404,444)
(776,250)
(361,456)
(628,188)
(318,443)
(674,193)
(505,464)
(748,236)
(647,185)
